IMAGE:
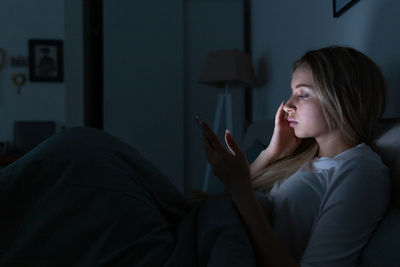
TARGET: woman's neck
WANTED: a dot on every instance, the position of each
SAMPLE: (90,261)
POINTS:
(331,145)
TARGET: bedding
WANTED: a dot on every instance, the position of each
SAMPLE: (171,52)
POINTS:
(84,198)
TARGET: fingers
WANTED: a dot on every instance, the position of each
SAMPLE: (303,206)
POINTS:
(285,115)
(233,145)
(230,142)
(211,154)
(211,137)
(280,113)
(214,146)
(208,148)
(207,134)
(206,143)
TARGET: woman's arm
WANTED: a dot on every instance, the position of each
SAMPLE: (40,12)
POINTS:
(268,249)
(282,144)
(234,172)
(261,162)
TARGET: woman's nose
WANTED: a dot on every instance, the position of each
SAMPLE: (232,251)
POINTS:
(289,107)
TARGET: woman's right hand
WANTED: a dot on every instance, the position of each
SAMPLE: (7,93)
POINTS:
(284,141)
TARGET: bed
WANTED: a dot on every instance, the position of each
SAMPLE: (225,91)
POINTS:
(84,198)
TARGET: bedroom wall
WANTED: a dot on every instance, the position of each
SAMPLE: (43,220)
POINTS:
(283,30)
(209,25)
(143,80)
(153,53)
(21,20)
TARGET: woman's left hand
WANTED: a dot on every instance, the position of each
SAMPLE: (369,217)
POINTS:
(232,169)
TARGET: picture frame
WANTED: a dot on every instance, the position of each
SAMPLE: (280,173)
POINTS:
(46,60)
(341,6)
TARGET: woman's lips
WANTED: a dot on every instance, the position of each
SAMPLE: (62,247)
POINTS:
(292,122)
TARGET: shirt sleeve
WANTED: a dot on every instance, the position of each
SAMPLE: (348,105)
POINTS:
(355,202)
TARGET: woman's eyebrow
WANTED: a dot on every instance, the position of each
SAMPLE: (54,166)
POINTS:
(303,85)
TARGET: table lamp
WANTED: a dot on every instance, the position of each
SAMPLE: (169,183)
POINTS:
(226,69)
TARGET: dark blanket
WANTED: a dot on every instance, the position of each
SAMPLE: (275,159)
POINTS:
(84,198)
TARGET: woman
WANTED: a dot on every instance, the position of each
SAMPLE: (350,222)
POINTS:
(328,188)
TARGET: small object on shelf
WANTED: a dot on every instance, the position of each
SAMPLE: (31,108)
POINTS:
(19,79)
(19,61)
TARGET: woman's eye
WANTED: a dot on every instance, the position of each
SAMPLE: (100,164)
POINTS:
(301,96)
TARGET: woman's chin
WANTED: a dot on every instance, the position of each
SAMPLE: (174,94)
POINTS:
(300,134)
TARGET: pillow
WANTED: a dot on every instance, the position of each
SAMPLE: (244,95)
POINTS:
(387,145)
(383,247)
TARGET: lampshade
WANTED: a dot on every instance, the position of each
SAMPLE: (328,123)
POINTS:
(224,66)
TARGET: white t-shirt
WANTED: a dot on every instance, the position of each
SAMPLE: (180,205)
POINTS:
(325,213)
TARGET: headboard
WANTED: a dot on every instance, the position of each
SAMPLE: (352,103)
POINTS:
(387,145)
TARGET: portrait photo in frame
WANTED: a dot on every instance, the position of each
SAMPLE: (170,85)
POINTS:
(46,62)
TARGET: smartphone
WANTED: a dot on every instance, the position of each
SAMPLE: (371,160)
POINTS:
(199,120)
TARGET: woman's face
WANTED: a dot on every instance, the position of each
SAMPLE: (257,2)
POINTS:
(304,110)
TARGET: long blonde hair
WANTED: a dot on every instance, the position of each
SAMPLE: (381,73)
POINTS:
(352,92)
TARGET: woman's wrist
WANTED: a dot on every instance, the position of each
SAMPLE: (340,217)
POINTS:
(241,193)
(269,154)
(262,161)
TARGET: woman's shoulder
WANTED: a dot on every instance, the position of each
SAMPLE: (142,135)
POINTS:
(362,157)
(356,157)
(358,166)
(362,167)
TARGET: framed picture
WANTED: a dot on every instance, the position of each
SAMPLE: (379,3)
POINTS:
(46,62)
(340,6)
